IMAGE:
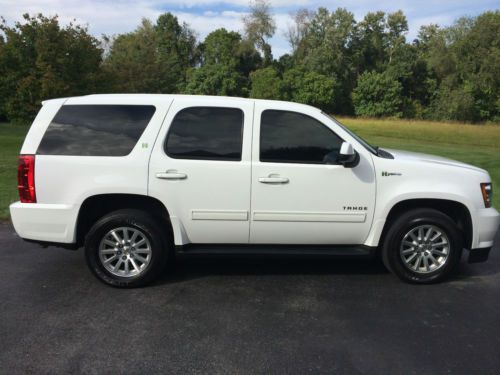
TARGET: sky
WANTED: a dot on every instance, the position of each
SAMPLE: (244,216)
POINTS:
(120,16)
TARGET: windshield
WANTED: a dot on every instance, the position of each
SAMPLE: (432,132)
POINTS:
(372,149)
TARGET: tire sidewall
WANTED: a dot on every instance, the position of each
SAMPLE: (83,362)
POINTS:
(404,225)
(115,220)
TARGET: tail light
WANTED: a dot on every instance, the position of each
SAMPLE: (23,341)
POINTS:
(26,178)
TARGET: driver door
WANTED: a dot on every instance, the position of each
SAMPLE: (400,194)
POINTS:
(297,198)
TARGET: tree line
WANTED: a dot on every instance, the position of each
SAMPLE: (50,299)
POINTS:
(365,68)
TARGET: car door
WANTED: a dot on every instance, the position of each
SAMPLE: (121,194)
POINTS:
(297,198)
(200,169)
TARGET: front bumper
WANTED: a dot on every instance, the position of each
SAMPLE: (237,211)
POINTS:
(53,223)
(479,255)
(486,222)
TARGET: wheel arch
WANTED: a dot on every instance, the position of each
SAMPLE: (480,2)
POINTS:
(457,211)
(96,206)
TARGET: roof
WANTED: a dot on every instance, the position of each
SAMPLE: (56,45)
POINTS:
(143,98)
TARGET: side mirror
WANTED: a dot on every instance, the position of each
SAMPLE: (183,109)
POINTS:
(348,157)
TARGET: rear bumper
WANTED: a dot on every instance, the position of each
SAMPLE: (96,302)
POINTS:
(51,223)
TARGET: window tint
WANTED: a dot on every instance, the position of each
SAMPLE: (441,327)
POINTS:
(95,130)
(207,133)
(291,137)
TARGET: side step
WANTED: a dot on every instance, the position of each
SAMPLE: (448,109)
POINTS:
(336,251)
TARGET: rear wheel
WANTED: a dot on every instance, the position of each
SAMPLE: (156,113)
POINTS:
(422,246)
(126,248)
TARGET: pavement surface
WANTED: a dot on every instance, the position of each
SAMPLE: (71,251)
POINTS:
(240,316)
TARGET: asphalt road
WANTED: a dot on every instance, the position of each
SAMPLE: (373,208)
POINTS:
(243,316)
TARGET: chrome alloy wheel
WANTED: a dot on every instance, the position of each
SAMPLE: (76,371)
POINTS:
(425,249)
(125,251)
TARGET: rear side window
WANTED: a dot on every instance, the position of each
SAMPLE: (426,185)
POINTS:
(206,133)
(291,137)
(95,130)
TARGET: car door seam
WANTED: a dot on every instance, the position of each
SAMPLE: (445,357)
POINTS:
(252,129)
(154,144)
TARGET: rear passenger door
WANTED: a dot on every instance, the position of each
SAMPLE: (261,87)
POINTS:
(200,169)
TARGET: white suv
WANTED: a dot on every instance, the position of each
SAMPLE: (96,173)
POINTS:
(138,178)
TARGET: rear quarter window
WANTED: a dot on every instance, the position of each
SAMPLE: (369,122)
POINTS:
(95,130)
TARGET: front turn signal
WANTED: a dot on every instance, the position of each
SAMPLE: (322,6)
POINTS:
(487,191)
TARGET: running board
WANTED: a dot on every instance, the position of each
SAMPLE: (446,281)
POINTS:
(336,251)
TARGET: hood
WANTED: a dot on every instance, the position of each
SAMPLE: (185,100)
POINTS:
(425,158)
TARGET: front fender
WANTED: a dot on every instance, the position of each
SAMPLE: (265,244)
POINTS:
(383,211)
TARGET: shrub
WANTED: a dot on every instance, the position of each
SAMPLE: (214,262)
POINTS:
(377,95)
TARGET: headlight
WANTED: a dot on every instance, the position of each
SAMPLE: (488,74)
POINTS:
(487,190)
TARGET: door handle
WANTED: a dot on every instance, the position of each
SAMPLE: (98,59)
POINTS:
(274,179)
(171,175)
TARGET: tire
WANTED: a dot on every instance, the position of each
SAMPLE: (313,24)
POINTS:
(114,236)
(405,245)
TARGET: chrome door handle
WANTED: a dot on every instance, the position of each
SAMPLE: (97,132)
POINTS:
(171,175)
(274,180)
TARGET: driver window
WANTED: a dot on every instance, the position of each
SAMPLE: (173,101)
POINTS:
(292,137)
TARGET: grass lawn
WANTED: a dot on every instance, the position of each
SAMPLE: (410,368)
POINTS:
(474,144)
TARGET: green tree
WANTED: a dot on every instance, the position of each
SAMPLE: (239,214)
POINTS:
(327,48)
(133,61)
(377,95)
(452,102)
(249,58)
(371,42)
(285,62)
(477,53)
(227,48)
(153,58)
(176,48)
(297,31)
(310,88)
(259,26)
(216,80)
(40,60)
(397,27)
(266,84)
(464,60)
(221,47)
(340,65)
(226,62)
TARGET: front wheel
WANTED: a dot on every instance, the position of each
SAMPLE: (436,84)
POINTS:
(126,248)
(422,246)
